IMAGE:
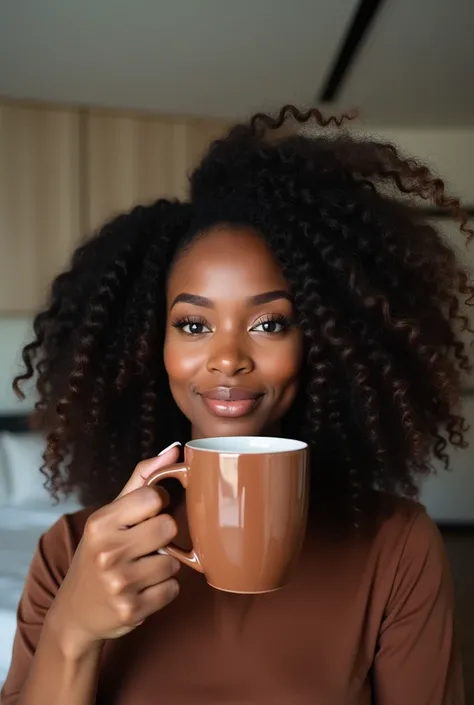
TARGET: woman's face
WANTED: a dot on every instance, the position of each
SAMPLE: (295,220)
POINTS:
(232,351)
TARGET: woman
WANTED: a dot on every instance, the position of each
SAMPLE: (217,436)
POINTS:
(290,278)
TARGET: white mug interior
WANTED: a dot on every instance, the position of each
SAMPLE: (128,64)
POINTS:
(247,444)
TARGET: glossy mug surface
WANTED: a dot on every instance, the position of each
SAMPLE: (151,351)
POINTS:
(247,506)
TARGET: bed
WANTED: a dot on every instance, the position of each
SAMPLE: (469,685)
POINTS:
(26,511)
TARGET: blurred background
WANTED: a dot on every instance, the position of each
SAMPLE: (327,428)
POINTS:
(108,103)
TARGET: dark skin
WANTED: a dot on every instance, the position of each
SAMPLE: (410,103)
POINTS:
(236,329)
(243,337)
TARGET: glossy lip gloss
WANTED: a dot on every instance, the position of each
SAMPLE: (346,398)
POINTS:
(230,402)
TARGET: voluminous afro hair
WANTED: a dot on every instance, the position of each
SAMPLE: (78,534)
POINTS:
(379,294)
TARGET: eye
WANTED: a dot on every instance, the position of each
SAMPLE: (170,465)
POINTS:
(195,328)
(192,326)
(272,325)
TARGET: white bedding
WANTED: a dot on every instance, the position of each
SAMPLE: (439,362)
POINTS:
(20,529)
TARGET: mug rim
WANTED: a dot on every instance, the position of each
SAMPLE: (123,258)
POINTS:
(298,446)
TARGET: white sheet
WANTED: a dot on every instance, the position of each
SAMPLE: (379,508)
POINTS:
(20,529)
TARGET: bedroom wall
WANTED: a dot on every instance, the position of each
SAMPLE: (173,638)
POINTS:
(14,332)
(449,150)
(449,497)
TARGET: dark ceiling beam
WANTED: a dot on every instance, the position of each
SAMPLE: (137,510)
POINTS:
(358,29)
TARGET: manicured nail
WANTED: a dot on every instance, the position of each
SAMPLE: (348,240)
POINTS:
(173,445)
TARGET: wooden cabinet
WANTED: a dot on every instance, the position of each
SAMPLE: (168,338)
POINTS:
(39,201)
(136,159)
(63,172)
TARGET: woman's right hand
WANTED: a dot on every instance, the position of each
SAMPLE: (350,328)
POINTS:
(116,578)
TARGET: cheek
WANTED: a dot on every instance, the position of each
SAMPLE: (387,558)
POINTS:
(181,359)
(282,364)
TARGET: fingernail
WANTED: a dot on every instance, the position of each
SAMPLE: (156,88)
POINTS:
(173,445)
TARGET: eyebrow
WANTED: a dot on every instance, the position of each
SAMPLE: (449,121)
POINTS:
(192,299)
(257,300)
(269,296)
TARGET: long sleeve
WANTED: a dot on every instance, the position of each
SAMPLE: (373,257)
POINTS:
(417,661)
(48,568)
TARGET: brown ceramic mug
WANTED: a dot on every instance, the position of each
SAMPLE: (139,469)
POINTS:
(247,507)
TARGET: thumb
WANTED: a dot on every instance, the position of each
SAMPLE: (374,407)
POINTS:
(145,468)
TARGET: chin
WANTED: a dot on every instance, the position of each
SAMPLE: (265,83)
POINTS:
(231,427)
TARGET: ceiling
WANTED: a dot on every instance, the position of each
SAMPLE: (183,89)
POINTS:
(224,59)
(417,64)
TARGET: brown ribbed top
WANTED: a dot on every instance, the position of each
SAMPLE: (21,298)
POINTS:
(363,621)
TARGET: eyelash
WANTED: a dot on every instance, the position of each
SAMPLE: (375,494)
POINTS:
(181,323)
(283,321)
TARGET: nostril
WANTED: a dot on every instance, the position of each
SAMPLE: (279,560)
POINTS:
(230,369)
(229,362)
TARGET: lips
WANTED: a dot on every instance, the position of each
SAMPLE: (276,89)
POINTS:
(230,402)
(230,394)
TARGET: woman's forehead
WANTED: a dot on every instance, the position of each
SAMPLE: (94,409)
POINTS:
(227,260)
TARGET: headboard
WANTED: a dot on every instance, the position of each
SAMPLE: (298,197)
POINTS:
(15,423)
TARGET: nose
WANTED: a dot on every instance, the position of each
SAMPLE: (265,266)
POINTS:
(229,357)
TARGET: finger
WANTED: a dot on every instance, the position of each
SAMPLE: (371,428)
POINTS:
(149,571)
(147,467)
(134,508)
(148,536)
(156,597)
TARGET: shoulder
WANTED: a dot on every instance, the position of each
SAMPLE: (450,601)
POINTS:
(407,528)
(49,566)
(57,546)
(411,551)
(48,569)
(416,650)
(403,534)
(69,527)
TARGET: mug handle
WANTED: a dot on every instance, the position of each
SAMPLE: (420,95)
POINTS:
(179,471)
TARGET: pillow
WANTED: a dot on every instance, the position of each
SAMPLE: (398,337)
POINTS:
(4,483)
(21,456)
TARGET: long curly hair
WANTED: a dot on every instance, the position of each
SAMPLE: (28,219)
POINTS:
(379,294)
